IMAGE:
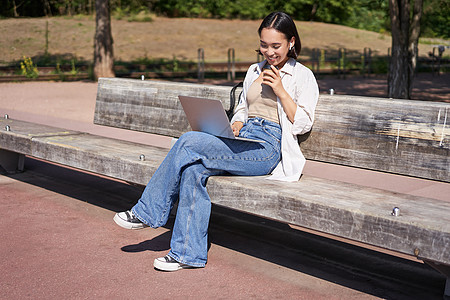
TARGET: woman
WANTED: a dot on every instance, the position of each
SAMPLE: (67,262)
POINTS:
(277,103)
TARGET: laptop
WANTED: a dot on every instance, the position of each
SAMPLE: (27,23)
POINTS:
(207,115)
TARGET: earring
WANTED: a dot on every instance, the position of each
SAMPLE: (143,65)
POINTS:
(290,47)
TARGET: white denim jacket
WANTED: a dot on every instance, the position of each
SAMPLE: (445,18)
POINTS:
(300,83)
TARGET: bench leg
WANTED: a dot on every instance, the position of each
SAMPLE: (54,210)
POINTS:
(11,162)
(444,269)
(447,288)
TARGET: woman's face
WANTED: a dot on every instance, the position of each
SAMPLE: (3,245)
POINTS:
(274,46)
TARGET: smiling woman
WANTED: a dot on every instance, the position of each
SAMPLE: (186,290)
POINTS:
(275,105)
(279,42)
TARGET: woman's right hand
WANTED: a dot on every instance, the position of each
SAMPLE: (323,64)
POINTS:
(237,126)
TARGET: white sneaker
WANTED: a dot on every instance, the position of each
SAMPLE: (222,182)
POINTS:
(169,264)
(128,220)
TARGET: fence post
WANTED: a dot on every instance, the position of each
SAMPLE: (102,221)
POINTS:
(363,64)
(437,59)
(46,39)
(389,61)
(341,62)
(201,64)
(316,60)
(433,66)
(367,61)
(231,73)
(323,58)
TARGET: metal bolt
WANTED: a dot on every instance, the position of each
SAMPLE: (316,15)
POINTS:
(142,157)
(395,212)
(7,128)
(331,91)
(6,117)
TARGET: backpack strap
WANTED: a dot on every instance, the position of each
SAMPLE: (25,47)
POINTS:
(230,112)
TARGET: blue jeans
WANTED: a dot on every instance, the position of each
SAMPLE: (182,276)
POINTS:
(183,175)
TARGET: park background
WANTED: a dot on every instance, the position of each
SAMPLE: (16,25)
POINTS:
(161,39)
(38,257)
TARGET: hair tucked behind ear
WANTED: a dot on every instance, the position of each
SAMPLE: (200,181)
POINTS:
(283,23)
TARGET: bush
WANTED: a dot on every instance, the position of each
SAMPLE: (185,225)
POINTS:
(28,68)
(140,15)
(380,65)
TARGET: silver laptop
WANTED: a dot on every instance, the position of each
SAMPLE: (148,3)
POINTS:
(207,115)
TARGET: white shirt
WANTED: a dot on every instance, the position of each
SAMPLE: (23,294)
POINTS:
(300,83)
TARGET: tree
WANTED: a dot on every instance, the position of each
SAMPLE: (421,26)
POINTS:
(103,42)
(436,18)
(405,37)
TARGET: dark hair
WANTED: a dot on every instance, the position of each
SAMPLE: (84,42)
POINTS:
(283,23)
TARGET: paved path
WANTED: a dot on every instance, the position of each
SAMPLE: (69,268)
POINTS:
(426,86)
(59,240)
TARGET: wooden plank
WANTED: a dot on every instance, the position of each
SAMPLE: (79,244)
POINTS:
(97,154)
(18,138)
(149,106)
(407,137)
(345,210)
(114,158)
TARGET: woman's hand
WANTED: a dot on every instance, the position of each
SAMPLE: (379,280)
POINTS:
(237,126)
(272,78)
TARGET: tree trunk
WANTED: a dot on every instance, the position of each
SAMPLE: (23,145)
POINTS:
(313,11)
(398,68)
(405,37)
(16,15)
(103,42)
(414,40)
(47,8)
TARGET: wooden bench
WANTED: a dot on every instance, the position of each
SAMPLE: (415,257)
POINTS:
(398,136)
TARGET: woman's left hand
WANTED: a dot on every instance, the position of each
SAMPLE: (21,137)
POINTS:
(272,78)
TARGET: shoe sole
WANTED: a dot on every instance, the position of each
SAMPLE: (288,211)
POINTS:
(124,224)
